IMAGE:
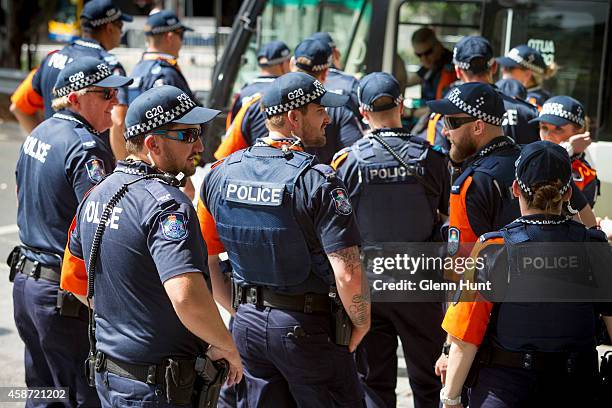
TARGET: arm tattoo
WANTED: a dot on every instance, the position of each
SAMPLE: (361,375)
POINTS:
(359,306)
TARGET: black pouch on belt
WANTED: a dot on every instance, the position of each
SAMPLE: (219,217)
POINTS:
(180,377)
(15,262)
(68,304)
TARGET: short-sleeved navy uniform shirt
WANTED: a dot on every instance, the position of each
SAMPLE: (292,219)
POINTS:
(344,84)
(436,173)
(343,130)
(324,227)
(156,69)
(153,235)
(46,75)
(58,163)
(516,120)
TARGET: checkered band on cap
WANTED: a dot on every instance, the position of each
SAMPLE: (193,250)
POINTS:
(474,111)
(466,65)
(556,109)
(115,14)
(160,120)
(265,61)
(527,189)
(514,55)
(166,29)
(103,71)
(298,102)
(397,101)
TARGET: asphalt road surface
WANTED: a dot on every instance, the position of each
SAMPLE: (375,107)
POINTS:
(11,346)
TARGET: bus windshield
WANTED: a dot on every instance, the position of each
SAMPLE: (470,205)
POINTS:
(346,20)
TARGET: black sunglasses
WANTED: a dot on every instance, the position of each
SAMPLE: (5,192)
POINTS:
(452,123)
(107,93)
(425,53)
(190,135)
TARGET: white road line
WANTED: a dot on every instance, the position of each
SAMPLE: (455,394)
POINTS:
(9,229)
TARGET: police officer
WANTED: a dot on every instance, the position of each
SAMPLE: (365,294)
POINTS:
(530,354)
(437,72)
(337,80)
(58,163)
(312,57)
(288,227)
(474,62)
(527,65)
(149,275)
(273,60)
(379,200)
(563,121)
(158,65)
(101,24)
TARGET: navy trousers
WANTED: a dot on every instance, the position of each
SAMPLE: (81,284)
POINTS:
(418,326)
(289,361)
(55,346)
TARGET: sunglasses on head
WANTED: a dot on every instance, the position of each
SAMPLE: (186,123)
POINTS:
(452,123)
(425,53)
(190,135)
(107,93)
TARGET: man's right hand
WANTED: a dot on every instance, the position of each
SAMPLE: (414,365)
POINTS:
(441,366)
(357,336)
(233,358)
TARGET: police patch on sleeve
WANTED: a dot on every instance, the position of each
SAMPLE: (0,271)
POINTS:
(453,240)
(341,201)
(95,170)
(174,226)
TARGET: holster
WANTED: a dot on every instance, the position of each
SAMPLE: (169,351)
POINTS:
(15,262)
(211,376)
(68,304)
(342,328)
(180,378)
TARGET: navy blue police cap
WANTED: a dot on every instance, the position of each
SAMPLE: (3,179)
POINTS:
(163,22)
(543,162)
(561,110)
(476,99)
(313,55)
(296,89)
(512,87)
(469,48)
(523,56)
(273,53)
(325,37)
(84,72)
(376,85)
(99,12)
(160,106)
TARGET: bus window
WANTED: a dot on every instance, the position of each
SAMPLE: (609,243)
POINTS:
(570,34)
(308,17)
(450,20)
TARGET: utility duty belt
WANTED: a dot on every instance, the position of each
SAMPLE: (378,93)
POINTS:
(264,297)
(67,303)
(330,304)
(556,362)
(196,381)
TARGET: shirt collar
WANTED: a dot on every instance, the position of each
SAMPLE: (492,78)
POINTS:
(88,43)
(154,55)
(542,219)
(71,116)
(394,132)
(136,167)
(286,143)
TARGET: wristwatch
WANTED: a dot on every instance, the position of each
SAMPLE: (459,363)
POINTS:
(446,349)
(449,401)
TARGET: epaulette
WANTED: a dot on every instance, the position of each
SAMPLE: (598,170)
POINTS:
(217,163)
(596,235)
(490,235)
(161,192)
(87,140)
(325,170)
(339,157)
